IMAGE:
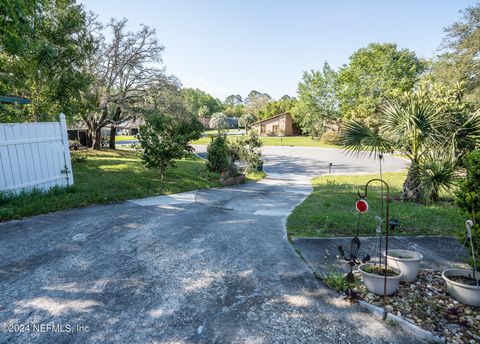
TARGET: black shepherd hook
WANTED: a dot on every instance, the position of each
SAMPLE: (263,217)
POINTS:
(387,225)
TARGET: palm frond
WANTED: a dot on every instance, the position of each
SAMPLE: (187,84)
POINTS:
(414,126)
(436,175)
(358,137)
(467,136)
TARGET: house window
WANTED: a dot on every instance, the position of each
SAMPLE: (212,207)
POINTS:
(275,128)
(262,129)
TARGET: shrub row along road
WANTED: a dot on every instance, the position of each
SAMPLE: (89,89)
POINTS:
(210,266)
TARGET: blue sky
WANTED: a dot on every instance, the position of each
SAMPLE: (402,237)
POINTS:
(231,47)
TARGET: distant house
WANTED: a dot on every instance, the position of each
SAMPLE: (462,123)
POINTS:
(78,131)
(279,125)
(81,135)
(232,122)
(129,127)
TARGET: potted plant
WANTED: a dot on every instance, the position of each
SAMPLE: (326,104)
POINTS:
(463,284)
(408,262)
(374,278)
(379,278)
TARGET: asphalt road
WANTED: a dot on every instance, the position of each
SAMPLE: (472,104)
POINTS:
(212,266)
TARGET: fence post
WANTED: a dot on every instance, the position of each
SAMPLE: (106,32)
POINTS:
(66,149)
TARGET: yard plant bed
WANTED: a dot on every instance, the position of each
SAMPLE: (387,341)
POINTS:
(329,210)
(427,304)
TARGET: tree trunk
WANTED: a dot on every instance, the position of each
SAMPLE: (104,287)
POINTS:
(411,187)
(113,133)
(97,139)
(113,130)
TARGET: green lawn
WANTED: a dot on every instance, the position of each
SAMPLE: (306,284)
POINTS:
(280,141)
(214,131)
(329,210)
(125,138)
(109,176)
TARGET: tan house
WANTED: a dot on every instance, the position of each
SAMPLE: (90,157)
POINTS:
(279,125)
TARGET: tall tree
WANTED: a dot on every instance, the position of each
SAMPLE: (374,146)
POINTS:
(233,99)
(317,101)
(276,107)
(124,67)
(458,62)
(372,75)
(43,49)
(255,101)
(197,100)
(233,105)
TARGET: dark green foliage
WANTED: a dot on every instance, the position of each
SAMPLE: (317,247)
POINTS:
(436,176)
(336,281)
(165,138)
(200,103)
(458,64)
(43,48)
(468,197)
(374,74)
(317,105)
(218,152)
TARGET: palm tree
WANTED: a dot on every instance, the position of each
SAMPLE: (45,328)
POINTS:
(415,129)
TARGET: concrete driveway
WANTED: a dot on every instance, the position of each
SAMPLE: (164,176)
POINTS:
(212,266)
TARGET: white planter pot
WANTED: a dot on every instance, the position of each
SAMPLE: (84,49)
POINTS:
(375,283)
(408,266)
(467,294)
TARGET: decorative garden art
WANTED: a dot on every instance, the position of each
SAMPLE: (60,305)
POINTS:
(445,303)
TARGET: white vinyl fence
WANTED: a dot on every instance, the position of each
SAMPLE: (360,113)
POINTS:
(34,156)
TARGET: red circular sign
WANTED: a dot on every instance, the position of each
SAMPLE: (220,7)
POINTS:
(362,206)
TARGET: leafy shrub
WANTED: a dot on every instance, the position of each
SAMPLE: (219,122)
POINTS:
(165,138)
(330,136)
(218,154)
(337,281)
(434,176)
(247,150)
(468,197)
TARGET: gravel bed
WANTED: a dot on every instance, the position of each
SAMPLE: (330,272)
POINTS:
(426,303)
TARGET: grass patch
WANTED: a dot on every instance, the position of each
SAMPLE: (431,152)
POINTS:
(108,176)
(125,138)
(303,141)
(215,131)
(254,176)
(330,210)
